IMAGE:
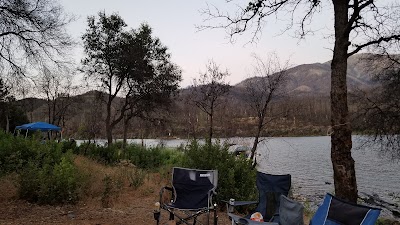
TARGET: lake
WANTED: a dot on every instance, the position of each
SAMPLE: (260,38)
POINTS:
(307,159)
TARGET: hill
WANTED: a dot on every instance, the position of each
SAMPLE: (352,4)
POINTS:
(314,79)
(305,112)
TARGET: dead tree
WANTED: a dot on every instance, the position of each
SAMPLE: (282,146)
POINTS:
(207,92)
(267,84)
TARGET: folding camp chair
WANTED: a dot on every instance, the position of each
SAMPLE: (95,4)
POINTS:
(335,211)
(192,191)
(270,188)
(290,213)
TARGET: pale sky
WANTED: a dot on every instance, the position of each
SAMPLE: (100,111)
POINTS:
(174,22)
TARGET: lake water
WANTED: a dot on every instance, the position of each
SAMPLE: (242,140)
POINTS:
(307,159)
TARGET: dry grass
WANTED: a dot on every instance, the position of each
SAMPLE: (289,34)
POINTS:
(125,204)
(122,204)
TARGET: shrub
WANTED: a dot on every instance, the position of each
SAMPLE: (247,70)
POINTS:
(236,178)
(46,174)
(14,153)
(152,158)
(104,154)
(136,177)
(69,146)
(50,180)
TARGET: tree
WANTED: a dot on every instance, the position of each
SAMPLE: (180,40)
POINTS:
(207,92)
(152,79)
(378,111)
(129,63)
(103,42)
(268,84)
(358,25)
(32,33)
(4,105)
(57,89)
(10,115)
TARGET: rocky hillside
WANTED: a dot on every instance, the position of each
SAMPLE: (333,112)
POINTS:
(314,79)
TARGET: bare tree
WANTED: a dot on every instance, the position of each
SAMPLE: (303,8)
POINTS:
(358,25)
(57,89)
(207,92)
(32,33)
(267,84)
(378,110)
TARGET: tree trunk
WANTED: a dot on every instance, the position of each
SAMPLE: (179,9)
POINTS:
(7,122)
(210,131)
(108,124)
(125,134)
(256,138)
(341,144)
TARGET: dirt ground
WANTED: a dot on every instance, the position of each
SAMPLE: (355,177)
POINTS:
(124,206)
(127,209)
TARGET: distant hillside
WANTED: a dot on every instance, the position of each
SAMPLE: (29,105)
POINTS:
(314,79)
(308,83)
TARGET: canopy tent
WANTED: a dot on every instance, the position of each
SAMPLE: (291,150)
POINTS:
(42,126)
(38,126)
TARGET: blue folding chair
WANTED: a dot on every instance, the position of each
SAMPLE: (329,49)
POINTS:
(335,211)
(273,190)
(192,191)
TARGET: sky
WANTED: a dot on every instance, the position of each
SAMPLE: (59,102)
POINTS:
(174,23)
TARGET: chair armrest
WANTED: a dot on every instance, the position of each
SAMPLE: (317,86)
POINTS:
(231,207)
(240,203)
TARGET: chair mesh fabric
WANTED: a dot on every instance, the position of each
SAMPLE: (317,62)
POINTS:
(290,212)
(270,188)
(338,212)
(193,187)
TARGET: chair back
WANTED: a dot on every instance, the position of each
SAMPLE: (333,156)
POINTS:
(335,211)
(193,188)
(290,212)
(270,188)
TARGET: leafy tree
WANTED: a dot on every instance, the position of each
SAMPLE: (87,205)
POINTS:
(103,42)
(207,92)
(358,25)
(130,63)
(32,33)
(152,79)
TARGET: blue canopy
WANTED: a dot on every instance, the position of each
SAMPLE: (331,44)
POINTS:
(42,126)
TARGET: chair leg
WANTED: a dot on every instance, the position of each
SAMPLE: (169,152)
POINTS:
(215,215)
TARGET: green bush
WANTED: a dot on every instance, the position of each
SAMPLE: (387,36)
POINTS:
(17,152)
(46,174)
(142,157)
(152,158)
(50,180)
(103,154)
(236,178)
(69,146)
